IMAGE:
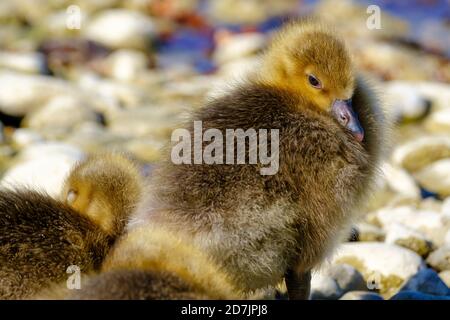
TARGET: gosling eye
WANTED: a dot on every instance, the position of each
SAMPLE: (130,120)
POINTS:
(314,82)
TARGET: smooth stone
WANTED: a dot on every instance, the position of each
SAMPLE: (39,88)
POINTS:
(406,237)
(392,60)
(23,137)
(405,102)
(233,47)
(115,94)
(438,121)
(31,62)
(445,209)
(119,28)
(60,112)
(361,295)
(45,149)
(145,149)
(238,69)
(445,276)
(369,232)
(427,281)
(351,17)
(384,266)
(437,92)
(194,87)
(347,277)
(90,136)
(430,204)
(447,238)
(126,64)
(440,258)
(417,154)
(250,12)
(55,24)
(429,223)
(323,287)
(42,167)
(22,93)
(436,177)
(145,121)
(384,196)
(414,295)
(173,9)
(400,181)
(409,216)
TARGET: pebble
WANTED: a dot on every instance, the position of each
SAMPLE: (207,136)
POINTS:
(400,181)
(384,266)
(446,209)
(437,92)
(351,15)
(42,167)
(414,295)
(361,295)
(145,121)
(116,94)
(418,153)
(63,54)
(126,64)
(194,87)
(44,149)
(29,62)
(250,11)
(332,281)
(445,276)
(430,204)
(60,112)
(233,47)
(90,137)
(427,281)
(23,137)
(429,223)
(405,103)
(369,232)
(440,259)
(438,121)
(409,238)
(436,177)
(323,287)
(21,93)
(347,278)
(447,238)
(238,69)
(145,149)
(120,28)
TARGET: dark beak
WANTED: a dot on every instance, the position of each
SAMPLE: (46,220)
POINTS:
(342,111)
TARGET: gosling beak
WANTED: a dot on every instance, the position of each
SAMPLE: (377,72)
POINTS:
(342,111)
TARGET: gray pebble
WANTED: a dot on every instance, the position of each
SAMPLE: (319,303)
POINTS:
(427,281)
(361,295)
(440,259)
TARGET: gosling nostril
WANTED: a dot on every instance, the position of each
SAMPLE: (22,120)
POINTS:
(344,119)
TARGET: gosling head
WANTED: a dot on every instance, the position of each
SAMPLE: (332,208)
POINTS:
(105,188)
(310,61)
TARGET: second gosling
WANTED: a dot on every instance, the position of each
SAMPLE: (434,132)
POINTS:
(41,237)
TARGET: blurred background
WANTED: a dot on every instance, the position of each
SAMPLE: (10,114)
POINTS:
(81,76)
